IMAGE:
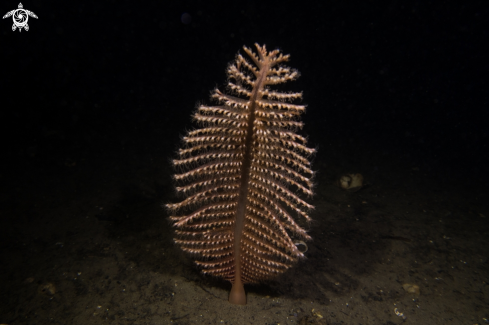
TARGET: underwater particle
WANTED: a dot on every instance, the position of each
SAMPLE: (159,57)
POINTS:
(186,18)
(411,288)
(398,313)
(47,289)
(351,182)
(316,314)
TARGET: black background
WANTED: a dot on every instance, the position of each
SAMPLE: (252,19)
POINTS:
(404,78)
